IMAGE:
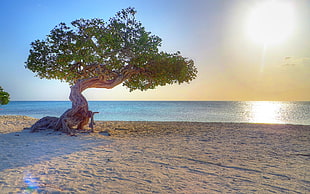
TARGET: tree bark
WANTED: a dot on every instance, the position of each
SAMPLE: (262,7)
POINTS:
(78,116)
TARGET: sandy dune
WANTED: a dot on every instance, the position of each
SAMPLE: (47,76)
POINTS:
(155,157)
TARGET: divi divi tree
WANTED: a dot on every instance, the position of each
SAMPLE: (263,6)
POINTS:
(93,53)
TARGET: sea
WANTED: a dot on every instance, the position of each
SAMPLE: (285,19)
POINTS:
(193,111)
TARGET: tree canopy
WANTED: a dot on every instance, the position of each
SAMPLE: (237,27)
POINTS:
(108,50)
(4,97)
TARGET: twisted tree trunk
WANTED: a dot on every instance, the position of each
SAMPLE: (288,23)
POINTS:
(78,116)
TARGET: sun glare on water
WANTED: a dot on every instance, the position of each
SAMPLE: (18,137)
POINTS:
(265,112)
(271,22)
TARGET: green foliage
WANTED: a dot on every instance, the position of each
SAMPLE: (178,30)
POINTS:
(69,53)
(4,97)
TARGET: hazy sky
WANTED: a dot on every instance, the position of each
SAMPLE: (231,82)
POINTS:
(233,63)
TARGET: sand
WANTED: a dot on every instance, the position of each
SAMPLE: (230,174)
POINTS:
(155,157)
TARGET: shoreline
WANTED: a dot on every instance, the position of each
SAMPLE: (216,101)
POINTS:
(160,157)
(27,120)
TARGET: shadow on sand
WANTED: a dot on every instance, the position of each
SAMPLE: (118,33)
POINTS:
(21,149)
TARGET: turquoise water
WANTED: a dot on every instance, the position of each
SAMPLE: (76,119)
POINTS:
(196,111)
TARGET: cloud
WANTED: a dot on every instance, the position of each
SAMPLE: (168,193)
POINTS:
(290,61)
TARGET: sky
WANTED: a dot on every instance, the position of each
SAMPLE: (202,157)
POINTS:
(225,38)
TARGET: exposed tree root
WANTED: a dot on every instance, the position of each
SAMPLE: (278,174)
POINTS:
(64,123)
(44,123)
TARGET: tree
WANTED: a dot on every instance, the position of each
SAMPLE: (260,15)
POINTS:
(4,97)
(92,53)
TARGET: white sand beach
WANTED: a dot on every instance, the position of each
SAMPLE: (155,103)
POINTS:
(155,157)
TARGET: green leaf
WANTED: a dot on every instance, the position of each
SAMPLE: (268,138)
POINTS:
(4,97)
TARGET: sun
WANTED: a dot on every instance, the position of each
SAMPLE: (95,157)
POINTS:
(271,22)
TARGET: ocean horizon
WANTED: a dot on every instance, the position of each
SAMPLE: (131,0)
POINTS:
(273,112)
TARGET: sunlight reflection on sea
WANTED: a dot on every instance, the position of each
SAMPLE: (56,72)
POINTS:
(268,112)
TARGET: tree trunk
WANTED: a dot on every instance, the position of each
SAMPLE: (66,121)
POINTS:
(78,116)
